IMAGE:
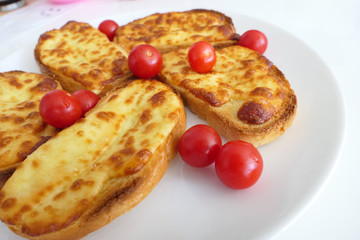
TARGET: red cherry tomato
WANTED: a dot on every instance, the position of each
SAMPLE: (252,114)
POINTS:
(202,57)
(199,145)
(59,108)
(87,99)
(239,164)
(254,40)
(108,27)
(145,61)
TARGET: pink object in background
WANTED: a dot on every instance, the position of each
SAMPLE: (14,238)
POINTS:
(63,1)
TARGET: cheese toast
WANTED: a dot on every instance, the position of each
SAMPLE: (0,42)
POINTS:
(243,97)
(22,129)
(81,57)
(171,30)
(98,168)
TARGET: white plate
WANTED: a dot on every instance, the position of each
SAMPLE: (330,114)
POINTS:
(191,203)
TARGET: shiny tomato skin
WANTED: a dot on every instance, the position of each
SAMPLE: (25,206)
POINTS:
(254,40)
(202,57)
(59,108)
(87,99)
(145,61)
(108,27)
(199,145)
(239,164)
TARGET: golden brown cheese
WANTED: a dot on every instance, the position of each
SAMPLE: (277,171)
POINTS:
(67,178)
(170,30)
(22,129)
(80,56)
(244,96)
(239,74)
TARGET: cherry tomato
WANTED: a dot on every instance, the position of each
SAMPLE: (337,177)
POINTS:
(145,61)
(202,57)
(87,99)
(239,164)
(59,108)
(254,40)
(108,27)
(199,145)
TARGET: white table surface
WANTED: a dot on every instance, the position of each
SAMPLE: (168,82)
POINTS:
(332,29)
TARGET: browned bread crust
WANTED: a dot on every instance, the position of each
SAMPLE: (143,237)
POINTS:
(244,97)
(22,129)
(171,30)
(81,57)
(89,191)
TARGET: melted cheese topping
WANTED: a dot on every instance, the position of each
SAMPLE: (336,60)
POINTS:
(56,183)
(171,29)
(239,75)
(84,54)
(21,126)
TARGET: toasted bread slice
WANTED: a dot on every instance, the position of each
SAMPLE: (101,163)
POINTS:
(171,30)
(243,97)
(81,57)
(22,129)
(98,168)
